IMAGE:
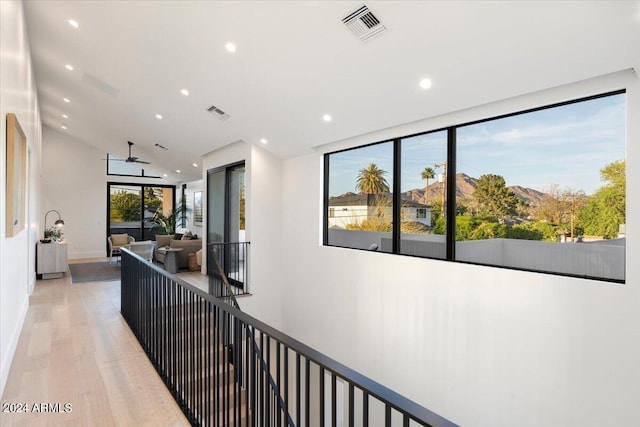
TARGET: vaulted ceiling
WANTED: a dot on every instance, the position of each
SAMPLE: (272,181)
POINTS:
(296,61)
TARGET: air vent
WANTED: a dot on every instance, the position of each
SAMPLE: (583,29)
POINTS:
(218,113)
(363,23)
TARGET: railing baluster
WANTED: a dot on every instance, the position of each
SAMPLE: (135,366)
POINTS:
(279,414)
(321,395)
(334,411)
(365,408)
(307,388)
(298,391)
(351,405)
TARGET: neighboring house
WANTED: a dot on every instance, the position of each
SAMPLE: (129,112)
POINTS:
(351,208)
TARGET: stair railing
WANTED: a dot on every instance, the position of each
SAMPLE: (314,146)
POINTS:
(178,325)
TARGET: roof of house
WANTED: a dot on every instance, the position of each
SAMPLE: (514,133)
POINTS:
(362,199)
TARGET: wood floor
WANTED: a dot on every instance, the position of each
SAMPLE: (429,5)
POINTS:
(75,348)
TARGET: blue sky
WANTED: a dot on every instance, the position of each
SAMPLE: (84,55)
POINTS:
(565,146)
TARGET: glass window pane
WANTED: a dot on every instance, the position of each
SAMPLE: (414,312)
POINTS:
(125,206)
(216,206)
(360,199)
(423,226)
(545,190)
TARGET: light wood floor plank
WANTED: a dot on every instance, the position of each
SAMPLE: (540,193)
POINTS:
(76,348)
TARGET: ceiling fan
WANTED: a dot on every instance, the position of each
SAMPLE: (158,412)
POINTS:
(131,159)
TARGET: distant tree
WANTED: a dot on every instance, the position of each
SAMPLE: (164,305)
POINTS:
(606,208)
(489,230)
(572,201)
(371,180)
(493,197)
(125,206)
(536,230)
(550,207)
(560,206)
(153,197)
(427,174)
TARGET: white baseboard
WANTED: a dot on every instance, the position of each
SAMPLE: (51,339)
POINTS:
(32,282)
(13,344)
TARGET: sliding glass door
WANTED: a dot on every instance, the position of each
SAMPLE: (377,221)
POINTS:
(226,221)
(131,208)
(226,204)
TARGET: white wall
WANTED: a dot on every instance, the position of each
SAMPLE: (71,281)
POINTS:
(74,182)
(263,186)
(481,346)
(18,96)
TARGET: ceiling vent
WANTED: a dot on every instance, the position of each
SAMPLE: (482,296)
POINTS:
(363,23)
(218,113)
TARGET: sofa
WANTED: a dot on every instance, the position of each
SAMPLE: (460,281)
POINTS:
(188,247)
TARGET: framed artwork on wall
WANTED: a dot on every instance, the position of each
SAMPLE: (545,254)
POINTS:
(16,176)
(197,208)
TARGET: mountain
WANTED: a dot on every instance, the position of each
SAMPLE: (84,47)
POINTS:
(529,195)
(465,187)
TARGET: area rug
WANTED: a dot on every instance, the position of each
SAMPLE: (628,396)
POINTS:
(94,272)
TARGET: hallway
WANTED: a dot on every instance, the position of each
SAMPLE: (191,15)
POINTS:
(75,348)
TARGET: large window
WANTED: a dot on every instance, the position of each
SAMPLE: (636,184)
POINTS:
(540,190)
(360,199)
(131,208)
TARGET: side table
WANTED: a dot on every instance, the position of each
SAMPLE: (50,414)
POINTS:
(171,259)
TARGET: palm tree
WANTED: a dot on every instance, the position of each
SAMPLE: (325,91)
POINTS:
(371,180)
(427,174)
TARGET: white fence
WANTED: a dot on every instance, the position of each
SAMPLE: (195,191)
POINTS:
(603,259)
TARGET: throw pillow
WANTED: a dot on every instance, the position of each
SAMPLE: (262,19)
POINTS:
(186,236)
(119,239)
(163,240)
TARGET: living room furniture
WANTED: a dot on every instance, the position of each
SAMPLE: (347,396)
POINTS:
(170,259)
(187,246)
(145,249)
(51,259)
(117,241)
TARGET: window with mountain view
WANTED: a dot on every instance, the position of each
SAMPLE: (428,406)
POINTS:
(545,190)
(360,208)
(423,185)
(541,190)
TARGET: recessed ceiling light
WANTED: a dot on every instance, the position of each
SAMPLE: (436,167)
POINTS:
(165,175)
(326,118)
(159,116)
(178,170)
(264,140)
(63,127)
(185,92)
(73,23)
(65,116)
(425,83)
(195,165)
(66,100)
(69,67)
(230,47)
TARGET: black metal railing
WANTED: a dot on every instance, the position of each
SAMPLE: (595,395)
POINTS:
(232,259)
(226,368)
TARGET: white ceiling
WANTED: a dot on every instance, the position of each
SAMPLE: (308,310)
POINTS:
(296,61)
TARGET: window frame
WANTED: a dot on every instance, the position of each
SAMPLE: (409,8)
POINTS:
(450,204)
